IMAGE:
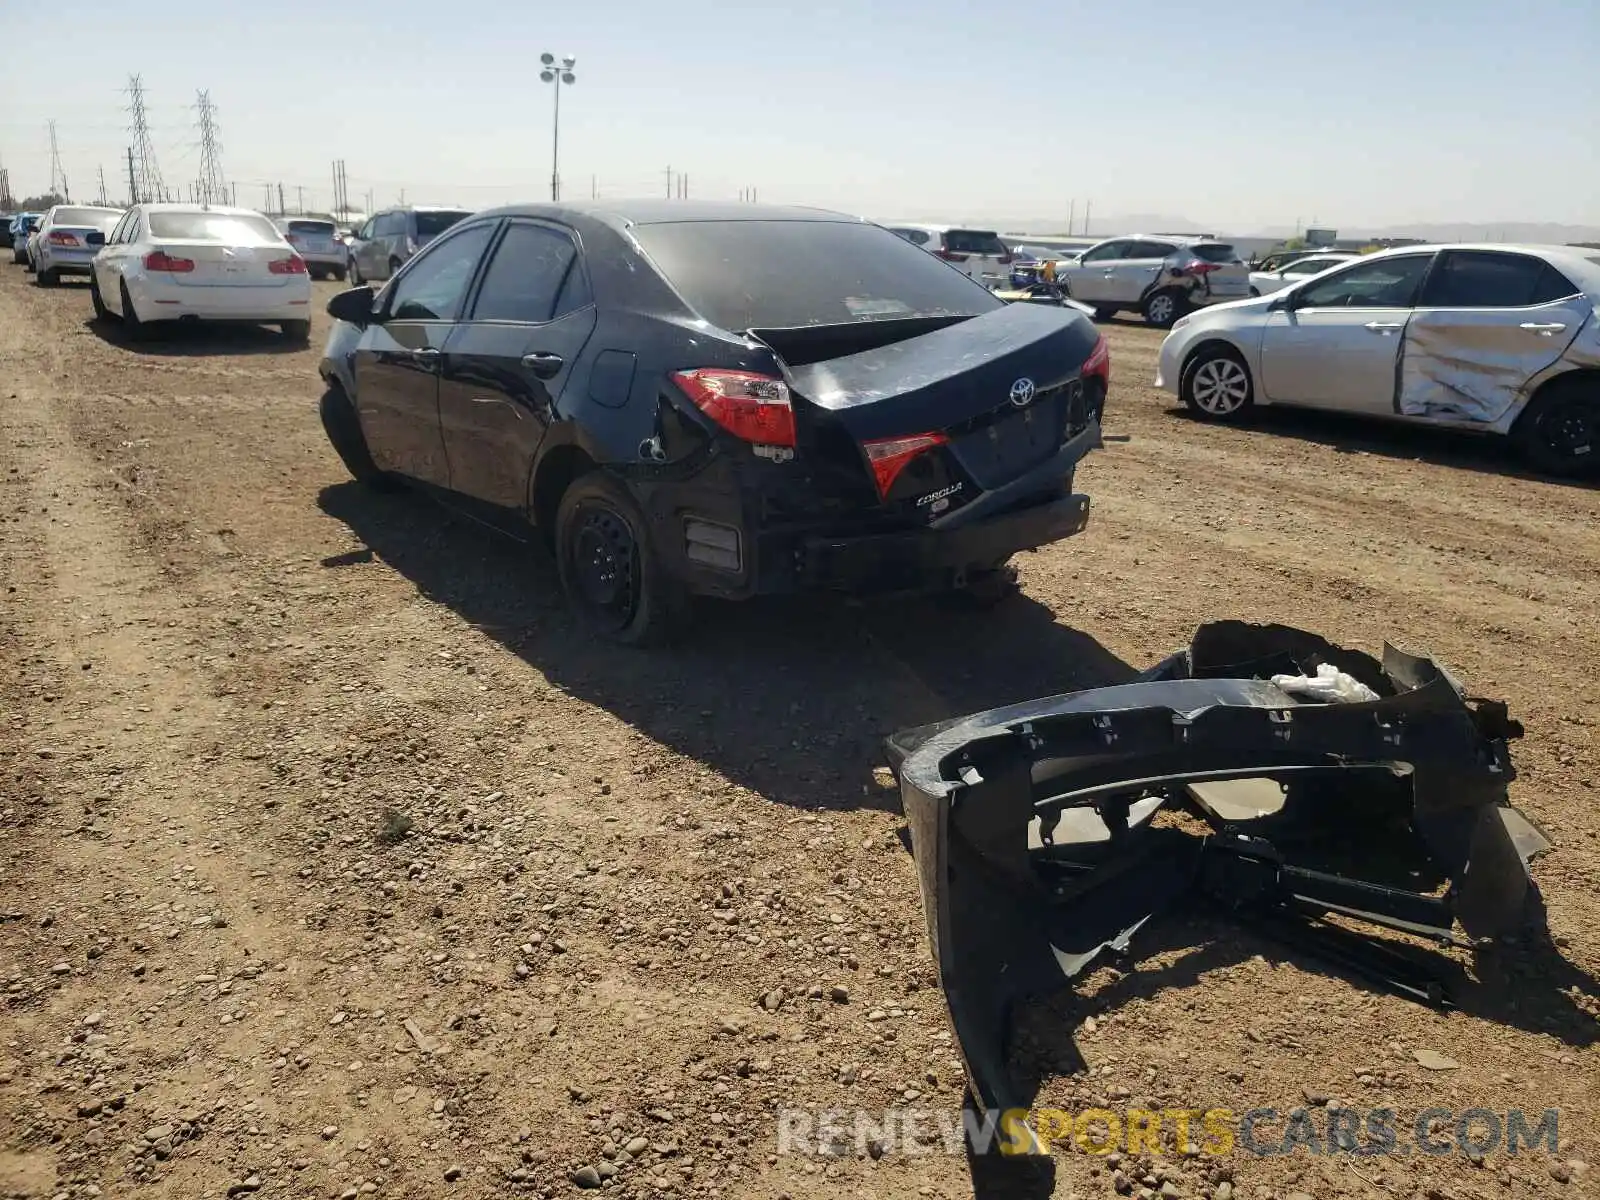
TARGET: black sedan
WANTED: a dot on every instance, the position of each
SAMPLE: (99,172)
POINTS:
(725,400)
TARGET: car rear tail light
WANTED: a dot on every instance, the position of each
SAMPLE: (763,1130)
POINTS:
(1098,363)
(292,238)
(159,260)
(950,255)
(1199,266)
(62,239)
(890,456)
(293,265)
(752,407)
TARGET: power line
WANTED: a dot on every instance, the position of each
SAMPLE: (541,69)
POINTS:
(147,176)
(213,187)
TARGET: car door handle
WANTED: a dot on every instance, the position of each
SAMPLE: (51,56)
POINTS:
(1544,327)
(426,357)
(544,366)
(1384,326)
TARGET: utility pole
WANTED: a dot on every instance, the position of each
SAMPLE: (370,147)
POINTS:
(281,208)
(683,185)
(211,188)
(669,183)
(594,187)
(147,183)
(1088,207)
(102,171)
(233,193)
(300,198)
(1072,215)
(133,181)
(58,177)
(5,190)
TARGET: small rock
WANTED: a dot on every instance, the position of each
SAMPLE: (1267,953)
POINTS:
(839,994)
(250,1183)
(158,1133)
(637,1146)
(61,968)
(1299,1196)
(90,1108)
(452,1173)
(1432,1060)
(1224,1191)
(329,1132)
(1313,1097)
(586,1177)
(1121,1182)
(1560,1172)
(773,1000)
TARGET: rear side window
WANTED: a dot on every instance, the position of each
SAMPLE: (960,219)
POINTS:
(917,237)
(973,241)
(240,228)
(1214,252)
(525,276)
(1486,279)
(1149,250)
(783,274)
(432,224)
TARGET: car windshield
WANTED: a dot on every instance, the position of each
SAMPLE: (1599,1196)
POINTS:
(92,218)
(973,241)
(243,229)
(432,224)
(313,228)
(783,274)
(1214,252)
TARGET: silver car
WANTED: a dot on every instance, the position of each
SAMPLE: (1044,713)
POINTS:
(1499,339)
(317,241)
(385,242)
(1159,276)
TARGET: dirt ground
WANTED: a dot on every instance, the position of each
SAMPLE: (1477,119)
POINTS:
(334,861)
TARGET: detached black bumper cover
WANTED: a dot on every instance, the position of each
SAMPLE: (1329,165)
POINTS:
(1037,849)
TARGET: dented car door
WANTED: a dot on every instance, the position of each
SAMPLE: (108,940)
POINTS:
(1488,322)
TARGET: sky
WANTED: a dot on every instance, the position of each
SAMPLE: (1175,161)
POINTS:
(1240,114)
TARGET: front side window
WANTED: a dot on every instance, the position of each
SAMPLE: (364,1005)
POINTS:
(1492,279)
(525,275)
(1109,252)
(1380,283)
(434,286)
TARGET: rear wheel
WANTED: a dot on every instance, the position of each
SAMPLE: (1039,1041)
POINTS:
(343,427)
(394,267)
(1559,432)
(101,312)
(298,332)
(136,328)
(609,569)
(1162,308)
(45,278)
(338,273)
(1216,385)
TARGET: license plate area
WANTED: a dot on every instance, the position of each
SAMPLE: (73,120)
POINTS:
(1013,443)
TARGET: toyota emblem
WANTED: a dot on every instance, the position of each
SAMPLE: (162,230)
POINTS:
(1022,393)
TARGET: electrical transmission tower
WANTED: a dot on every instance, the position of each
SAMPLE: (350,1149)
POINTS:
(6,202)
(58,177)
(213,187)
(146,175)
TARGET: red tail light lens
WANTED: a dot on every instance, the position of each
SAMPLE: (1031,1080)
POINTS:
(158,260)
(62,239)
(890,456)
(293,265)
(752,407)
(951,256)
(1098,363)
(1200,267)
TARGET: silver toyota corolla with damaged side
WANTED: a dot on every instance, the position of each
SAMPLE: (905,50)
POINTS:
(1498,339)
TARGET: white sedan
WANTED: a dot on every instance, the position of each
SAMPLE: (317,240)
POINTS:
(188,262)
(1264,283)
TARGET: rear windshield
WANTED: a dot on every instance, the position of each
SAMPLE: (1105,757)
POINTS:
(781,274)
(315,228)
(973,241)
(244,229)
(432,224)
(93,218)
(1214,252)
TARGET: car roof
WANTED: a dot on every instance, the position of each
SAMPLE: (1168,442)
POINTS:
(623,214)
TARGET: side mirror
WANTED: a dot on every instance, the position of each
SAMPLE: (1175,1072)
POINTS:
(353,307)
(94,238)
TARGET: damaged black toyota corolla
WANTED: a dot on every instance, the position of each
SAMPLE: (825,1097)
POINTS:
(723,400)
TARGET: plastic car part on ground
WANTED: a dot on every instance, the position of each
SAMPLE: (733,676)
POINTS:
(1049,832)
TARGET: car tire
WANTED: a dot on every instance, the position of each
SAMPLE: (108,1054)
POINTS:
(101,312)
(136,329)
(985,588)
(1163,308)
(355,274)
(1216,385)
(1255,291)
(1558,432)
(338,273)
(343,427)
(609,569)
(298,332)
(394,267)
(1102,313)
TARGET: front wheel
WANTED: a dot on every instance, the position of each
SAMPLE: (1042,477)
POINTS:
(355,274)
(1559,432)
(338,273)
(343,427)
(1216,385)
(609,569)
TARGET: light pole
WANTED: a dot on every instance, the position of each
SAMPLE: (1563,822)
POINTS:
(558,75)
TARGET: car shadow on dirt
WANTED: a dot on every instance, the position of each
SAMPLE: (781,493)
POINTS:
(1346,433)
(790,698)
(193,339)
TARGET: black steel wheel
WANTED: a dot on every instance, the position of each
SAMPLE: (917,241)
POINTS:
(609,570)
(1559,432)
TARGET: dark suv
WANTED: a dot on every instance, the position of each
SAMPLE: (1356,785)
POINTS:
(720,399)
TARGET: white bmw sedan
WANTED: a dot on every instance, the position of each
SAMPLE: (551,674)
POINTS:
(187,262)
(1499,339)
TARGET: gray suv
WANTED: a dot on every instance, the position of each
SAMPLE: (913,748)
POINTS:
(392,236)
(1158,275)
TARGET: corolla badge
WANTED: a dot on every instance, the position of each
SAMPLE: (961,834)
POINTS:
(1022,393)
